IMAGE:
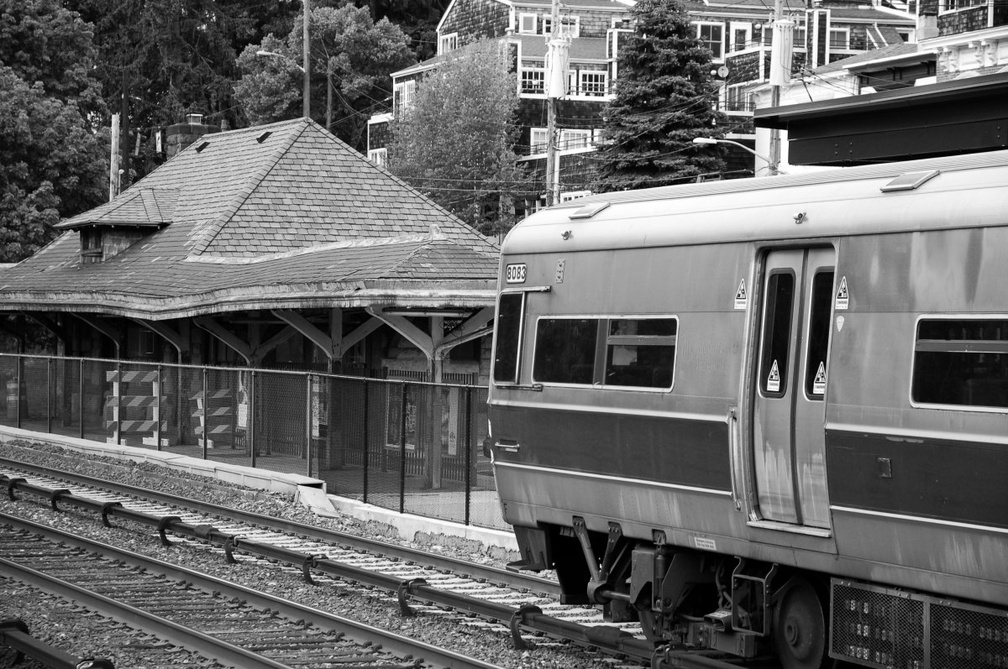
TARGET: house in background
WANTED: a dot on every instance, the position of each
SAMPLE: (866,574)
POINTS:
(737,33)
(945,94)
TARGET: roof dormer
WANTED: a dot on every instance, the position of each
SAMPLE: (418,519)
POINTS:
(110,229)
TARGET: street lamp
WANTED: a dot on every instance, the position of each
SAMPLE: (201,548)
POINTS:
(771,165)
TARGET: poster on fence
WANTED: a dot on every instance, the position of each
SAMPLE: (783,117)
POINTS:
(394,417)
(449,420)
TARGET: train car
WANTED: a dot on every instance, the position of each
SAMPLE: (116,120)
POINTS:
(768,415)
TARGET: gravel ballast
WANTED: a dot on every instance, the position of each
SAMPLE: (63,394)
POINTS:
(50,619)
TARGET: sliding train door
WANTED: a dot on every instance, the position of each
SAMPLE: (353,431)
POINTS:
(791,373)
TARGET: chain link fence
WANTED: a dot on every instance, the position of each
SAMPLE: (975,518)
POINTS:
(404,445)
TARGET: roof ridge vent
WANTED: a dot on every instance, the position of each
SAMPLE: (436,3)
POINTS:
(589,210)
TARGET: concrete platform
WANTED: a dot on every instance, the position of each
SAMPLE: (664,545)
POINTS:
(307,491)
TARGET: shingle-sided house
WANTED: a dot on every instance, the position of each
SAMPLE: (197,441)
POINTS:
(736,31)
(277,245)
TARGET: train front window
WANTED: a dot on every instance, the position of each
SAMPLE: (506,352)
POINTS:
(509,328)
(961,363)
(640,352)
(565,350)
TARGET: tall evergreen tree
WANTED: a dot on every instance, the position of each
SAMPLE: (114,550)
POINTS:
(664,98)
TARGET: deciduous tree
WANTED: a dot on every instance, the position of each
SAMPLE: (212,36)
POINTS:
(664,98)
(52,156)
(455,142)
(346,45)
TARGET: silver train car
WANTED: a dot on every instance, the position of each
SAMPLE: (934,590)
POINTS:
(768,415)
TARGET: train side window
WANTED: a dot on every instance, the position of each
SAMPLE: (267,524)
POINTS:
(640,352)
(821,311)
(777,334)
(565,350)
(509,328)
(961,363)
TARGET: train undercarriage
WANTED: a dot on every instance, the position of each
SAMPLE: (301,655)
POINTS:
(687,599)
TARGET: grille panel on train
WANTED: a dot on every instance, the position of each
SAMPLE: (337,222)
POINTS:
(886,628)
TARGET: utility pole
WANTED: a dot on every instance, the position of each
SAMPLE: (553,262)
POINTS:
(306,102)
(556,74)
(113,186)
(780,73)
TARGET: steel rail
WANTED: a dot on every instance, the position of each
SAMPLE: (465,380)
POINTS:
(394,643)
(16,635)
(453,565)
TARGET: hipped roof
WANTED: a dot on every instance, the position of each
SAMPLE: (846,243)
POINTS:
(282,215)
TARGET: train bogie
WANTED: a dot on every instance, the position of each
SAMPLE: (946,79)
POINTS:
(756,414)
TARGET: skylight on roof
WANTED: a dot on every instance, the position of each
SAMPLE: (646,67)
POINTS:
(262,138)
(202,146)
(909,181)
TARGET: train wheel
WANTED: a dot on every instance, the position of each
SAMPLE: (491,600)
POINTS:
(799,627)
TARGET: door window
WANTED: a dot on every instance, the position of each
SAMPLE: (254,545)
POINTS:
(777,334)
(818,337)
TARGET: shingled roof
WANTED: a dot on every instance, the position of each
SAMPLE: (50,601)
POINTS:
(277,215)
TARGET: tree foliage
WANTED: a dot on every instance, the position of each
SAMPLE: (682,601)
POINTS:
(52,158)
(456,141)
(664,98)
(358,52)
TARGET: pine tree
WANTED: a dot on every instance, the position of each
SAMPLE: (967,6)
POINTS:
(664,98)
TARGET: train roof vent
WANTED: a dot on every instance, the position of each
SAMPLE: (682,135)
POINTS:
(589,210)
(909,181)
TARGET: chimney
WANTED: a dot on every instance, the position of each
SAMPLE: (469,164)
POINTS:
(181,135)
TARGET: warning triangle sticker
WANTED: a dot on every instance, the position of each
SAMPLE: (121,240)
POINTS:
(842,297)
(773,380)
(819,382)
(740,296)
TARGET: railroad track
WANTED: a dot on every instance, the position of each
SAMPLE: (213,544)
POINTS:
(526,603)
(229,623)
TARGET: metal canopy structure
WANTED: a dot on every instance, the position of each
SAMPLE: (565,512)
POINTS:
(967,115)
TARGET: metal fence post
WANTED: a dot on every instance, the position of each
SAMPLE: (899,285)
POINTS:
(251,416)
(80,398)
(157,411)
(367,440)
(206,414)
(17,402)
(119,393)
(402,451)
(468,452)
(308,424)
(49,394)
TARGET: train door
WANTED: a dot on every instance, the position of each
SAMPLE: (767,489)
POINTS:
(791,373)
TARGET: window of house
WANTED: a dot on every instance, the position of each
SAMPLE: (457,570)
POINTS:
(741,36)
(565,350)
(528,23)
(569,25)
(953,5)
(447,43)
(378,156)
(593,83)
(738,99)
(533,80)
(961,362)
(640,352)
(402,97)
(777,334)
(570,195)
(712,36)
(574,139)
(508,327)
(538,140)
(839,38)
(798,36)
